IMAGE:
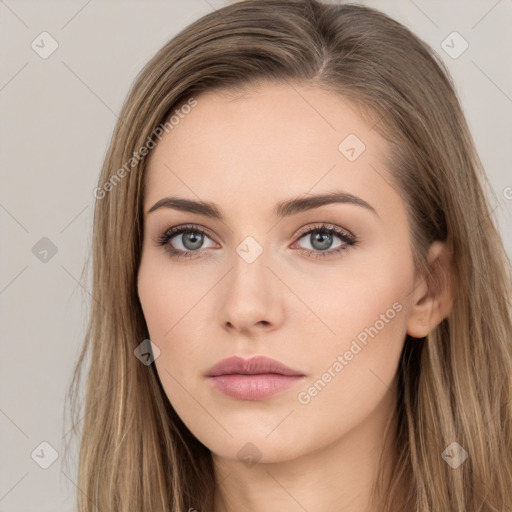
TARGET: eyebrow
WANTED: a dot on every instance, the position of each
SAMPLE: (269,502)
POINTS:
(281,209)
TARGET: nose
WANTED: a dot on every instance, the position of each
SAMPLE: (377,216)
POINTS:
(252,298)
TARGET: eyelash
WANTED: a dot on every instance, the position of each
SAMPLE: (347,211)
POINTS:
(346,237)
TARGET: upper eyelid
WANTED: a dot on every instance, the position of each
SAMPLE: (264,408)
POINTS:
(302,232)
(319,226)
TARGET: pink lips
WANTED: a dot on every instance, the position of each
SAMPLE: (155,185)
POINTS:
(252,379)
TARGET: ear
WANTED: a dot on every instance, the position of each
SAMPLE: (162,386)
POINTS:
(433,294)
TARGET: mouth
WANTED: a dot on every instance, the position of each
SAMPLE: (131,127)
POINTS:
(252,379)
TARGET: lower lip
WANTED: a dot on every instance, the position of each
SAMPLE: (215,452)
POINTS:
(253,387)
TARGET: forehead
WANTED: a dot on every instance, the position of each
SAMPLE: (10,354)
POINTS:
(271,141)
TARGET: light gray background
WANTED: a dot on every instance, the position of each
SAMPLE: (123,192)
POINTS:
(57,115)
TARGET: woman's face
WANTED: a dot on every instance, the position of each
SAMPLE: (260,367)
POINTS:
(251,276)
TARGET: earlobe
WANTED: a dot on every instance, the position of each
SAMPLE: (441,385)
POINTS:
(433,293)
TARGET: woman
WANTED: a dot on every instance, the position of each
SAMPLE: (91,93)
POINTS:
(301,300)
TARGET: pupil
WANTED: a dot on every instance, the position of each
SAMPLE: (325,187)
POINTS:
(192,241)
(324,240)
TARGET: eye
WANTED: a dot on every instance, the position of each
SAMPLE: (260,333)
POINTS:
(187,241)
(183,241)
(321,240)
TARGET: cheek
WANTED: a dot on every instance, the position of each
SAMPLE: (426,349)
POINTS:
(166,295)
(156,299)
(372,308)
(359,294)
(172,299)
(366,311)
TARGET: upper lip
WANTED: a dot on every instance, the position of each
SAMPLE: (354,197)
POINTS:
(253,366)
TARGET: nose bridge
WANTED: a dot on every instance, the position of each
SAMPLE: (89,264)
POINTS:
(250,294)
(250,266)
(250,250)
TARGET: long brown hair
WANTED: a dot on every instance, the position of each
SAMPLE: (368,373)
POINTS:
(455,385)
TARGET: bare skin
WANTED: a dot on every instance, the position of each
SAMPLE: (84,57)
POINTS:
(312,448)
